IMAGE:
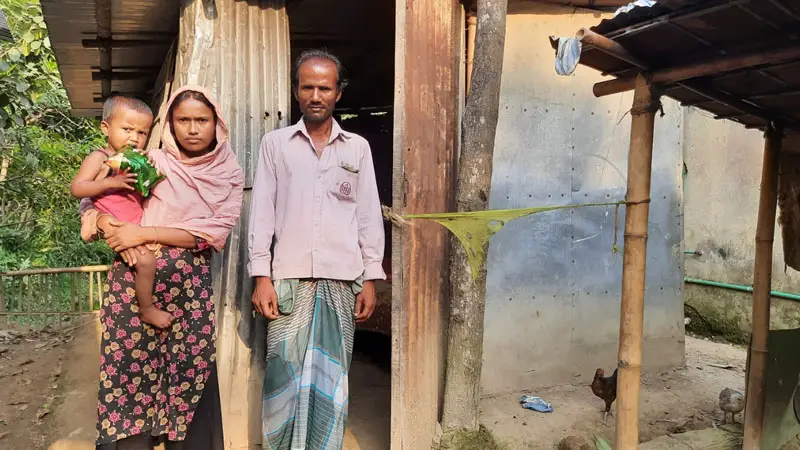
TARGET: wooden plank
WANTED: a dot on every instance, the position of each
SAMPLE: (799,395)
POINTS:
(102,11)
(425,127)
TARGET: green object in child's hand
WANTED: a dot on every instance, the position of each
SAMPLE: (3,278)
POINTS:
(137,163)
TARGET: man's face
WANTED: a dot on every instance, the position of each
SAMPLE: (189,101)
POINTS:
(316,90)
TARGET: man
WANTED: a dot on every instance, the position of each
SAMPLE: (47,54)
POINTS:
(315,193)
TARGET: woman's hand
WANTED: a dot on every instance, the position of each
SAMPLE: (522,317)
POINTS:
(123,236)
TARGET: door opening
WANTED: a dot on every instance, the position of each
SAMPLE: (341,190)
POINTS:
(361,33)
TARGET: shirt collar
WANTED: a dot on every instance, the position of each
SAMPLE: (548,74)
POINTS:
(336,131)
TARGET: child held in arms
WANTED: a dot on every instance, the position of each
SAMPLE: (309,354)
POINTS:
(117,179)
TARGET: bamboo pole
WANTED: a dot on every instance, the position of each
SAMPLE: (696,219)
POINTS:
(762,283)
(3,321)
(82,269)
(472,26)
(20,293)
(91,290)
(645,104)
(709,67)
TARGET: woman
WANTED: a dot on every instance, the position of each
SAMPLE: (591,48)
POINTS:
(164,383)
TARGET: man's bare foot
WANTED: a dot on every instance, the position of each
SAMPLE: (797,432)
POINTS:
(155,316)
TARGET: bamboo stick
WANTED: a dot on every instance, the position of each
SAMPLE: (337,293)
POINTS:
(762,283)
(20,293)
(46,313)
(71,289)
(99,291)
(2,301)
(591,39)
(709,67)
(81,269)
(91,291)
(633,264)
(472,26)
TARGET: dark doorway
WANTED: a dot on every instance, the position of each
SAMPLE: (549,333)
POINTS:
(361,33)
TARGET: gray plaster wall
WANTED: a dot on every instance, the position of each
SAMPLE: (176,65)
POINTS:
(721,189)
(553,288)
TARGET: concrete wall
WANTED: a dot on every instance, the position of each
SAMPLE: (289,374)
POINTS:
(553,289)
(721,189)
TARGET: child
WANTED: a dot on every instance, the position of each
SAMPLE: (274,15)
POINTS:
(126,122)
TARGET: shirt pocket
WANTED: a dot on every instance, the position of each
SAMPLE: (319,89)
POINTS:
(343,184)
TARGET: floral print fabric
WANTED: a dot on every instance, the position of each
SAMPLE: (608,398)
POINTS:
(151,380)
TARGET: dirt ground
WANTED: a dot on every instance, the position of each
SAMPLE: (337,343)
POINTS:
(671,402)
(48,395)
(48,390)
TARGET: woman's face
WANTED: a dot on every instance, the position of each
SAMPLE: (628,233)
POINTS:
(194,126)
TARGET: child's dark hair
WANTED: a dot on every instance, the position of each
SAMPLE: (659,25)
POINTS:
(116,101)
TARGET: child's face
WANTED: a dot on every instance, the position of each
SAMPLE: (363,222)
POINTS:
(127,127)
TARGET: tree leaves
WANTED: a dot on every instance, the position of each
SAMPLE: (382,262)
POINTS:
(29,77)
(42,147)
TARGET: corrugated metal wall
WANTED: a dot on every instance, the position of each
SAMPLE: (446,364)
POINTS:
(240,50)
(553,287)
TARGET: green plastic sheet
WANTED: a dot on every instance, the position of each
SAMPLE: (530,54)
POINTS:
(473,229)
(135,162)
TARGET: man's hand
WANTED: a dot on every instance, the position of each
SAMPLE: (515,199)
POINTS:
(365,302)
(265,299)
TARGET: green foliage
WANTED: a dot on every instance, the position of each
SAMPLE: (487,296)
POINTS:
(41,149)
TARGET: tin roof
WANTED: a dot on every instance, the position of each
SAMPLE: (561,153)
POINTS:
(686,33)
(5,31)
(141,31)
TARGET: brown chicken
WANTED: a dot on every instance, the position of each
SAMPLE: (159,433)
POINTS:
(606,389)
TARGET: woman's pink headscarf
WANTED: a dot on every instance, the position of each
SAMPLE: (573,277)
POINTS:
(201,195)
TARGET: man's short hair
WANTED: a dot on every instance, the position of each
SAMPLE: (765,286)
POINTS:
(116,101)
(320,53)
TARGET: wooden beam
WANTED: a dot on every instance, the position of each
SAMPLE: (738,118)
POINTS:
(707,68)
(103,75)
(640,157)
(762,283)
(102,42)
(706,90)
(102,11)
(789,92)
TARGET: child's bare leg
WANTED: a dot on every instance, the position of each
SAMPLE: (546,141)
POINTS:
(145,278)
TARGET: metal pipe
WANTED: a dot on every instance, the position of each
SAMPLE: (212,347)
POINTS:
(739,287)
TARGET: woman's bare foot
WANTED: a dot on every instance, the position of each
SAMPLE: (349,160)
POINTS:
(155,316)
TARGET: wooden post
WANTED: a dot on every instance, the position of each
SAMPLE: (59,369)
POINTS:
(645,105)
(762,280)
